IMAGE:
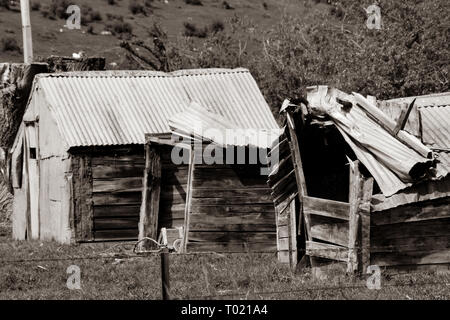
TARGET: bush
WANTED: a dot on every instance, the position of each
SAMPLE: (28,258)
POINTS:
(194,2)
(191,30)
(136,7)
(58,9)
(9,44)
(217,26)
(111,2)
(119,27)
(89,15)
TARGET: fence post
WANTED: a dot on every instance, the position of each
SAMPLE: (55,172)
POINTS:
(165,277)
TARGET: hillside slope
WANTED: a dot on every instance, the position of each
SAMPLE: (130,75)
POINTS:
(50,37)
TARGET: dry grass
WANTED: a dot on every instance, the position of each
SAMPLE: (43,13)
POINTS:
(256,276)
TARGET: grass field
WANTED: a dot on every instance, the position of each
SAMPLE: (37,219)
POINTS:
(50,37)
(39,272)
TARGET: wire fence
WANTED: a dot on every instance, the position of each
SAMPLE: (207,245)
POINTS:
(164,255)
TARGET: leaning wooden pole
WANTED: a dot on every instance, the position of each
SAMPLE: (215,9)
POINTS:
(148,218)
(26,31)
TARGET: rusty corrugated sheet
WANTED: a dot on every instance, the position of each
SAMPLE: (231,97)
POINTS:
(436,126)
(117,108)
(204,124)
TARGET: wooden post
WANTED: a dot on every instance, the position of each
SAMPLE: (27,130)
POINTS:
(165,275)
(401,122)
(360,197)
(187,208)
(26,31)
(148,219)
(299,174)
(354,199)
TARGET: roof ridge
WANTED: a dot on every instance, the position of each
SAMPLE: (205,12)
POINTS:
(142,73)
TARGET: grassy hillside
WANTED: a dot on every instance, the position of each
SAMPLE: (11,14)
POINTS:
(52,38)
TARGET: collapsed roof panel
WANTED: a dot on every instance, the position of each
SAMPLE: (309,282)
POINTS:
(394,161)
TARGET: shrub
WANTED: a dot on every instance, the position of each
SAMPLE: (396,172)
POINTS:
(112,17)
(136,7)
(191,30)
(111,2)
(119,27)
(58,9)
(217,26)
(194,2)
(89,15)
(9,44)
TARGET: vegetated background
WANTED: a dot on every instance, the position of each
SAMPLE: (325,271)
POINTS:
(287,45)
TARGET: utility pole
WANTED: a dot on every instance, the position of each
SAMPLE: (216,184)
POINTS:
(26,31)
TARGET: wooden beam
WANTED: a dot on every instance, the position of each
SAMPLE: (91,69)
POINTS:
(401,122)
(390,126)
(354,199)
(325,250)
(326,208)
(299,174)
(364,213)
(187,211)
(148,218)
(293,235)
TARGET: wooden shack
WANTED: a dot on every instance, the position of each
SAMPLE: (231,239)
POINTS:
(79,157)
(338,200)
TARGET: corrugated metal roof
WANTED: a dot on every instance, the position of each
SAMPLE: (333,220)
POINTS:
(387,159)
(120,107)
(436,126)
(204,124)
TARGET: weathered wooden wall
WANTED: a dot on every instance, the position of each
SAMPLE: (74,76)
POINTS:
(107,193)
(231,210)
(173,191)
(411,236)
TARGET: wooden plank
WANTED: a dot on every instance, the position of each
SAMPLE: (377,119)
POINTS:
(364,214)
(250,200)
(335,233)
(232,247)
(293,234)
(116,199)
(248,218)
(116,223)
(356,181)
(244,227)
(411,257)
(233,193)
(133,184)
(430,210)
(107,160)
(327,251)
(213,236)
(118,171)
(116,211)
(187,212)
(411,229)
(148,222)
(326,208)
(283,231)
(411,244)
(404,114)
(299,175)
(237,209)
(86,198)
(116,235)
